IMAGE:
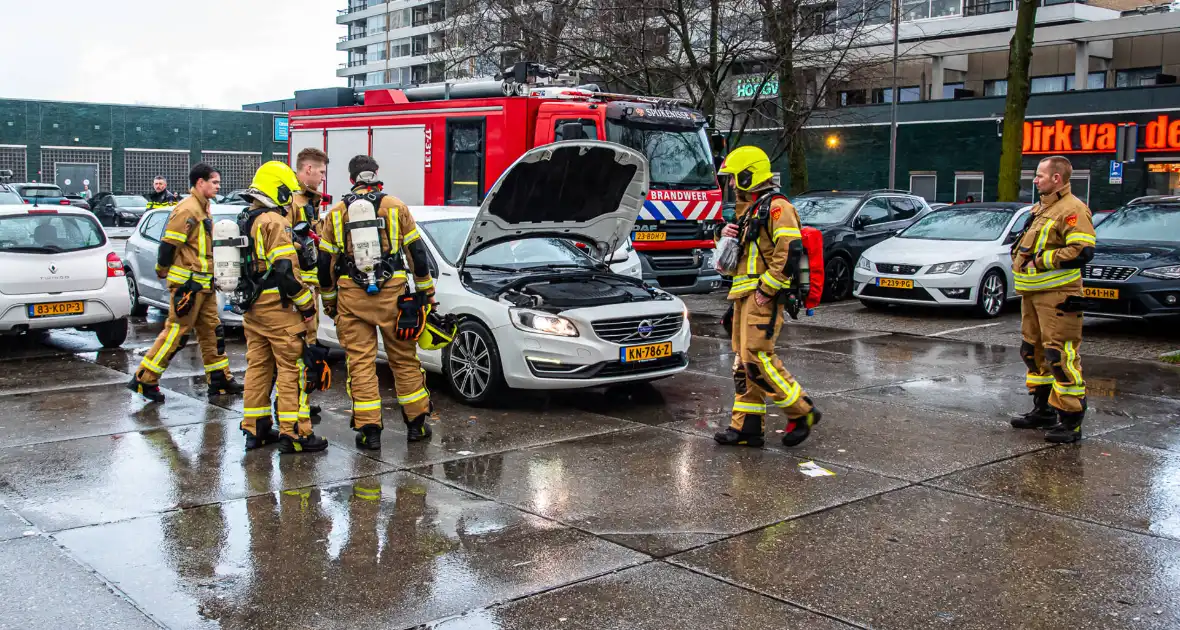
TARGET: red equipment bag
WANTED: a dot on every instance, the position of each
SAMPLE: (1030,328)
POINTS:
(813,245)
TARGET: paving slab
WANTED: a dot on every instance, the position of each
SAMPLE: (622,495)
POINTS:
(999,397)
(819,372)
(1108,377)
(960,356)
(1122,485)
(654,596)
(37,417)
(42,588)
(793,334)
(921,558)
(11,524)
(688,395)
(141,333)
(1162,434)
(392,551)
(652,481)
(894,440)
(187,362)
(82,482)
(42,374)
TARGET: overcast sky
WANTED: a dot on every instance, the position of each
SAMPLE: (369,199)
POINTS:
(207,53)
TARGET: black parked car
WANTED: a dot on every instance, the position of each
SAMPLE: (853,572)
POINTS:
(1135,273)
(851,222)
(118,209)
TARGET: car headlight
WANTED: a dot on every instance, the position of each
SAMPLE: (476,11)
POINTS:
(958,267)
(863,263)
(544,323)
(127,215)
(1171,272)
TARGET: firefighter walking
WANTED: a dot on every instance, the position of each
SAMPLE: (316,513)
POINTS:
(1047,264)
(185,260)
(373,244)
(768,230)
(277,319)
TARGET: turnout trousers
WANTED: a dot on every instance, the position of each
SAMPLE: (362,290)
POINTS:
(275,338)
(1050,348)
(202,319)
(758,373)
(360,319)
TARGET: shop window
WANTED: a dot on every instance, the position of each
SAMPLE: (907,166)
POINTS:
(1137,77)
(968,187)
(924,185)
(1163,178)
(1079,186)
(465,158)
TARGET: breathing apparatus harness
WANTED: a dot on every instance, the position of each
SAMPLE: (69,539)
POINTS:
(391,262)
(253,282)
(757,219)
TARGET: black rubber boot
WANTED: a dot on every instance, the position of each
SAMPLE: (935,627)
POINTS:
(798,429)
(417,430)
(369,437)
(1069,427)
(306,444)
(221,384)
(750,435)
(150,392)
(265,434)
(1042,415)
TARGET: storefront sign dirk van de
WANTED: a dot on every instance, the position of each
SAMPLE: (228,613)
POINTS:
(1058,136)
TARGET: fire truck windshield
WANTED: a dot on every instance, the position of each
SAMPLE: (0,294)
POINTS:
(679,158)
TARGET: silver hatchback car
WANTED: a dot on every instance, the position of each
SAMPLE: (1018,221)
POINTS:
(147,289)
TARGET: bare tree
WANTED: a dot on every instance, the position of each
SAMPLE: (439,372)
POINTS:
(1019,58)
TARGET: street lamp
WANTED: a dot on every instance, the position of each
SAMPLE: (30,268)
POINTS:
(893,101)
(833,142)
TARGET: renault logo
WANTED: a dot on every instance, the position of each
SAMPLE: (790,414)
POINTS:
(645,328)
(53,268)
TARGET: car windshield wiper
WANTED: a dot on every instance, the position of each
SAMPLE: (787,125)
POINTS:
(47,249)
(492,268)
(556,266)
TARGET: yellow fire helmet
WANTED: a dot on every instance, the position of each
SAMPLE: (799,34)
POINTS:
(749,166)
(439,332)
(274,184)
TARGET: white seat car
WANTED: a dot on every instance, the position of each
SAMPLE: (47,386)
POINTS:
(537,311)
(955,256)
(60,271)
(147,289)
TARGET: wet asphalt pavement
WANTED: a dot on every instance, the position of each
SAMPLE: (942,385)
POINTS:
(598,509)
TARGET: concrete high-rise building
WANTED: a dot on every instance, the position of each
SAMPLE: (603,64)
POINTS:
(391,42)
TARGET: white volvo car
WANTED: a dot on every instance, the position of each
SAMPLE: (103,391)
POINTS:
(537,311)
(955,256)
(60,271)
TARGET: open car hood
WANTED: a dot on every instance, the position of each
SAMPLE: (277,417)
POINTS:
(585,191)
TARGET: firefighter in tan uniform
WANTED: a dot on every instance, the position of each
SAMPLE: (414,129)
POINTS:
(310,167)
(277,319)
(185,260)
(362,309)
(767,227)
(1047,264)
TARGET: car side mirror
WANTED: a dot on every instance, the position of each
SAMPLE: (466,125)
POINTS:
(572,131)
(1011,238)
(860,223)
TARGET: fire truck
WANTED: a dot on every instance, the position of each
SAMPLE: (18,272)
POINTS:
(447,145)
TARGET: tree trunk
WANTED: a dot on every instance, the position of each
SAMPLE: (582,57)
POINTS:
(1019,58)
(798,163)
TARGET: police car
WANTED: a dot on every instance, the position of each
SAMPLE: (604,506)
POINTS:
(537,310)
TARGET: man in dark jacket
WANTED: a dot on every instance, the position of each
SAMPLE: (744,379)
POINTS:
(160,195)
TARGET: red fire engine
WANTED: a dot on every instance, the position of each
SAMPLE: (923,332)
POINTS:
(447,145)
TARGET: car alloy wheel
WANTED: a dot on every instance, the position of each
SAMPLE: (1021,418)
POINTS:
(839,279)
(992,295)
(470,365)
(137,309)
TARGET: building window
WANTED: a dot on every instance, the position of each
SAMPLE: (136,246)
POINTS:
(948,89)
(908,94)
(922,9)
(983,7)
(1079,185)
(1042,85)
(852,13)
(852,97)
(968,187)
(924,185)
(375,78)
(1094,81)
(998,87)
(1137,77)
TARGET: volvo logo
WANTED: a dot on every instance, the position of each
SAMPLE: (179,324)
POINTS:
(645,328)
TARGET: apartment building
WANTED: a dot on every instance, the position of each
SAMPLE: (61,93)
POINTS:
(389,43)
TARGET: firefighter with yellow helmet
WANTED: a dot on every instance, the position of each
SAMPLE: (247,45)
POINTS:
(277,317)
(374,247)
(768,231)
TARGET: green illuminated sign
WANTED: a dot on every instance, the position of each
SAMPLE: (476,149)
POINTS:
(747,87)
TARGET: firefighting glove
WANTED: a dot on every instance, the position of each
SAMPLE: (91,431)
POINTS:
(185,297)
(411,316)
(330,310)
(1072,304)
(315,361)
